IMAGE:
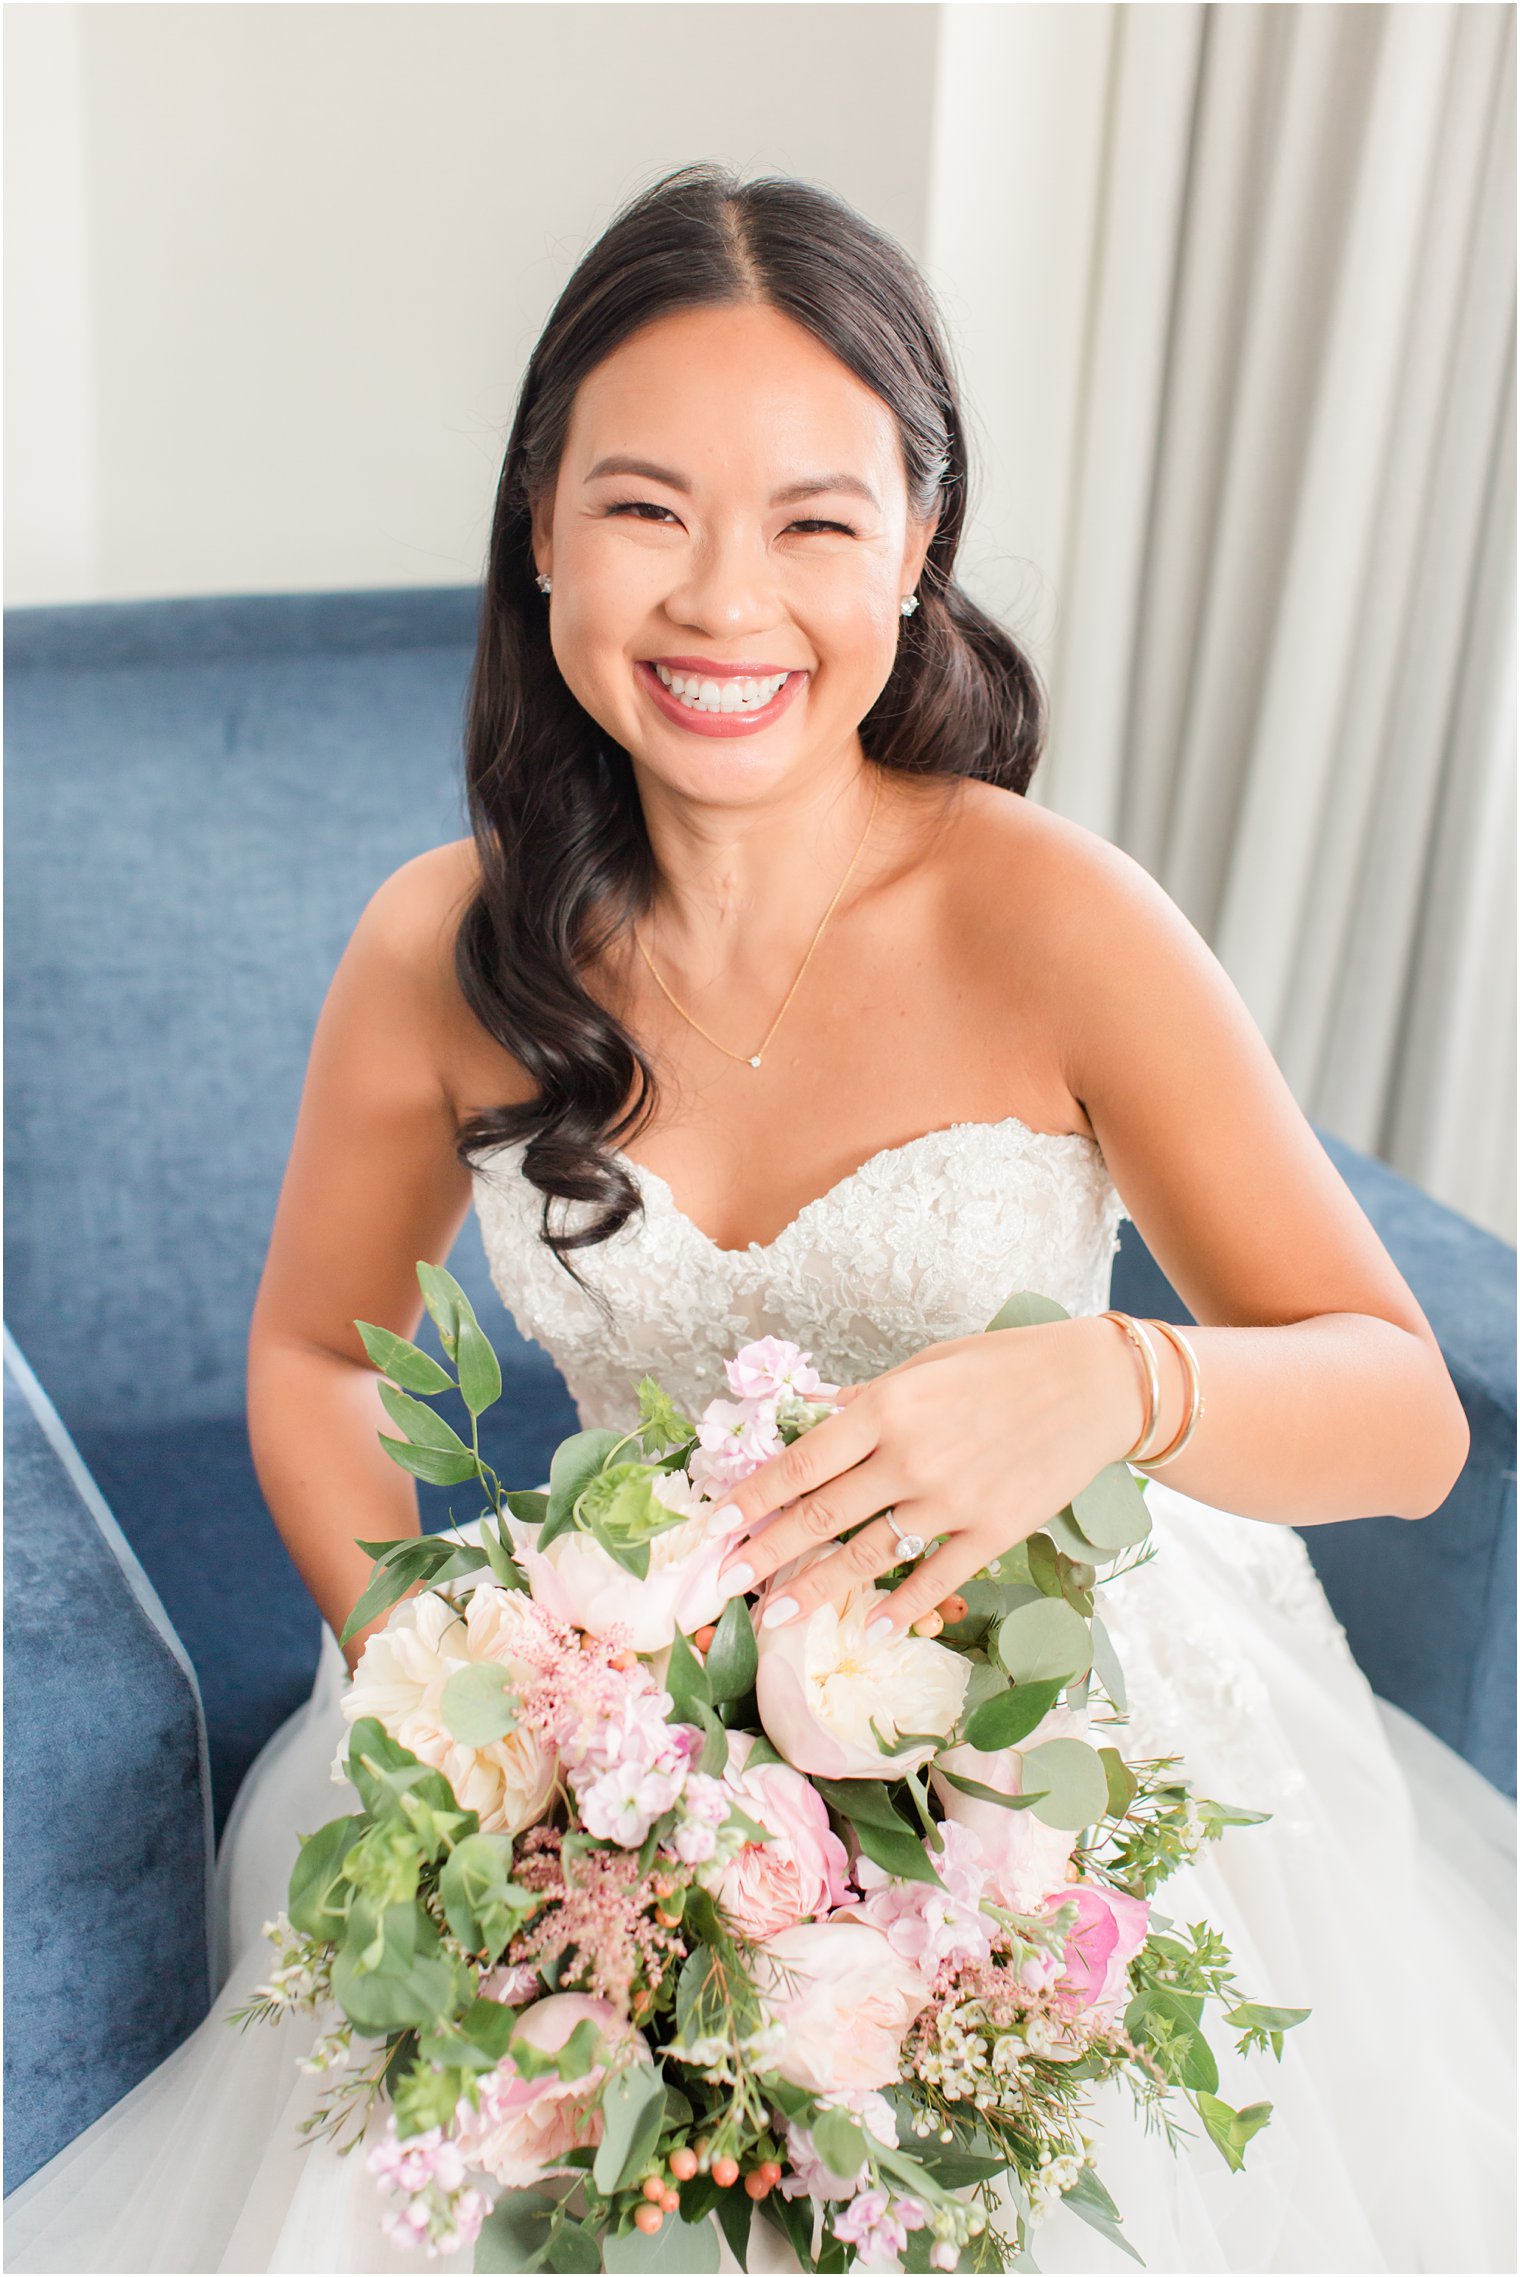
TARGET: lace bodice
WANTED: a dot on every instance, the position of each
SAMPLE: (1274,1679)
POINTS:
(924,1241)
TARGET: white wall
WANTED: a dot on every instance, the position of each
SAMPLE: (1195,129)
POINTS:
(273,270)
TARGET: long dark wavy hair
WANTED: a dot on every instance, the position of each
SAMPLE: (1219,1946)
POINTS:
(564,856)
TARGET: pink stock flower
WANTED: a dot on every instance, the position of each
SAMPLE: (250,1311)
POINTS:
(926,1925)
(524,2128)
(733,1439)
(772,1366)
(1023,1855)
(878,2228)
(802,1871)
(844,1998)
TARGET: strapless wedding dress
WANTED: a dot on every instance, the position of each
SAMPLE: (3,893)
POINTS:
(1379,1894)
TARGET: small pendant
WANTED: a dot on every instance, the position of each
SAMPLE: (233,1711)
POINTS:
(755,1062)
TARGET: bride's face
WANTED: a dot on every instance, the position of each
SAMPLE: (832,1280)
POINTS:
(731,506)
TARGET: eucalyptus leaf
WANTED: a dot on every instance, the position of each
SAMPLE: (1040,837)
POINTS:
(1111,1510)
(1106,1666)
(1068,1536)
(677,2249)
(633,2110)
(1074,1780)
(1044,1564)
(1122,1783)
(478,1703)
(515,2233)
(1026,1309)
(986,1794)
(840,2143)
(529,1508)
(1045,1640)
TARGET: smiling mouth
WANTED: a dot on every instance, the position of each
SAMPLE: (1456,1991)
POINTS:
(729,692)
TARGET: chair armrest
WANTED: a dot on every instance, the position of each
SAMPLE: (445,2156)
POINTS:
(107,1786)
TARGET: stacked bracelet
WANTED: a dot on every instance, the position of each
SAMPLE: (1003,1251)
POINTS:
(1189,1359)
(1151,1373)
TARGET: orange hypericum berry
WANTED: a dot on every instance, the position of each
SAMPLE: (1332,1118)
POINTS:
(725,2172)
(654,2190)
(755,2183)
(929,1625)
(702,1638)
(669,1919)
(624,1659)
(671,2200)
(954,1607)
(683,2164)
(772,2172)
(650,2220)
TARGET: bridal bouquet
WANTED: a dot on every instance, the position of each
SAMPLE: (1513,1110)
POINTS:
(652,1924)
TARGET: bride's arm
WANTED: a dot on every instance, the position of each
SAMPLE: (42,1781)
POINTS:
(1325,1392)
(371,1186)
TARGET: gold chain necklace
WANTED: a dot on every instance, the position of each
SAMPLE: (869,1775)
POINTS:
(753,1059)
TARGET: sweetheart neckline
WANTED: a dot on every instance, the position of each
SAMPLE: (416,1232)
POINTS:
(644,1171)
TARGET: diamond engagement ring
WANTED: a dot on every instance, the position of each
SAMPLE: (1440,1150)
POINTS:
(906,1547)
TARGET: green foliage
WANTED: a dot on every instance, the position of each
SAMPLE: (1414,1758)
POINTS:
(478,1703)
(1074,1779)
(868,1811)
(732,1659)
(1043,1642)
(1010,1715)
(319,1896)
(686,1682)
(479,1369)
(515,2234)
(483,1905)
(633,2112)
(675,2250)
(574,1463)
(405,1364)
(664,1426)
(1231,2130)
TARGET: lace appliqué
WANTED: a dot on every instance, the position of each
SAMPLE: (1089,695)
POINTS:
(923,1242)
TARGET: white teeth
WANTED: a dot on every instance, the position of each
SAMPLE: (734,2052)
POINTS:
(734,695)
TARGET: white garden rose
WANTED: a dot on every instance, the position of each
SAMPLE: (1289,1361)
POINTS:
(400,1681)
(822,1685)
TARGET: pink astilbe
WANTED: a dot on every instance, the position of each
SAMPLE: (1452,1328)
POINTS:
(598,1903)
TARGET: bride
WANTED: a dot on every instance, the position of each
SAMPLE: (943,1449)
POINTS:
(751,885)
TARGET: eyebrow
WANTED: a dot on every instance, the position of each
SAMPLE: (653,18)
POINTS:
(812,486)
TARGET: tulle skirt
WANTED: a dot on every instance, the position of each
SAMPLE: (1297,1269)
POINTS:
(1379,1895)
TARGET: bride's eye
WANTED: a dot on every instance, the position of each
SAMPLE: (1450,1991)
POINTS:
(844,528)
(640,506)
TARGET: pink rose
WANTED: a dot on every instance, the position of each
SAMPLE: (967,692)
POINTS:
(802,1871)
(844,1999)
(524,2128)
(1110,1929)
(824,1690)
(1024,1855)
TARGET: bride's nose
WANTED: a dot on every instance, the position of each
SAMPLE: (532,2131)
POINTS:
(728,589)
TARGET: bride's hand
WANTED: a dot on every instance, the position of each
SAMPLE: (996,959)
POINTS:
(973,1443)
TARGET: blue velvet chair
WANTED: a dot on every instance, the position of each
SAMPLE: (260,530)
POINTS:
(201,795)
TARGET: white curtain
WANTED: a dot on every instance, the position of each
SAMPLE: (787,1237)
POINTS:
(1234,288)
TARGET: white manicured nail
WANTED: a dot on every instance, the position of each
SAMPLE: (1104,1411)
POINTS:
(881,1627)
(726,1518)
(737,1580)
(775,1616)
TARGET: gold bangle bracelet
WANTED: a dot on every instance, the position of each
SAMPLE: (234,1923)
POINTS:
(1150,1370)
(1189,1359)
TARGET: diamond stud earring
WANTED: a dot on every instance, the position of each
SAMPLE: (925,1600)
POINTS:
(907,606)
(544,584)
